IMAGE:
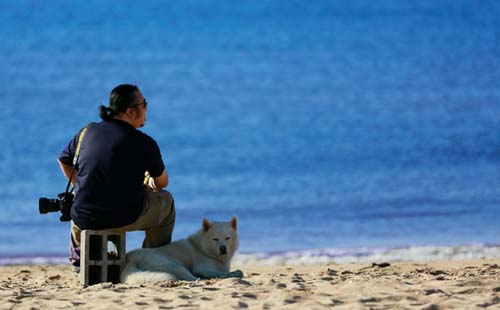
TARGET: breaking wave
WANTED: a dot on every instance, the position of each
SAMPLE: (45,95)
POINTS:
(335,255)
(315,256)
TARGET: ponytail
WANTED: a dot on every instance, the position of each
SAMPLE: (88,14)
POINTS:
(106,113)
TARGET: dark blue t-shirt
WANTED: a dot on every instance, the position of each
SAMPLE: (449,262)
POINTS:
(109,190)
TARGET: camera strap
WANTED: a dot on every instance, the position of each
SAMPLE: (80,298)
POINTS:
(75,157)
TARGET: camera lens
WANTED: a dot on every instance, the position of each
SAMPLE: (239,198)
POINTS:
(46,205)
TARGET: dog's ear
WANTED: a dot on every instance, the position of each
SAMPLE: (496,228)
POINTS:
(206,224)
(234,222)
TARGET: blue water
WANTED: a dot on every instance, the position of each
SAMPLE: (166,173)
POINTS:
(320,124)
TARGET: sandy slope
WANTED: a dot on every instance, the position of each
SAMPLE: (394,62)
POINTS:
(433,285)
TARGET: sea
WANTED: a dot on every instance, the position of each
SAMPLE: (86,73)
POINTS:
(334,130)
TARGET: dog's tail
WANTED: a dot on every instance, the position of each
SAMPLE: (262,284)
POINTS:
(131,274)
(134,274)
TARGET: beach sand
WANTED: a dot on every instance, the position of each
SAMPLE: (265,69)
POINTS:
(472,284)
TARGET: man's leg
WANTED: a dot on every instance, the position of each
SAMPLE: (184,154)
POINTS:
(157,219)
(74,245)
(161,203)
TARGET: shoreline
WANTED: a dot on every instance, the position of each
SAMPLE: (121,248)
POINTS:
(317,256)
(444,284)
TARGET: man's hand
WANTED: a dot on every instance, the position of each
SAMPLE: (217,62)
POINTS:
(147,180)
(155,183)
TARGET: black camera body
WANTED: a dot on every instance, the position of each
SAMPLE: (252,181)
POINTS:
(63,204)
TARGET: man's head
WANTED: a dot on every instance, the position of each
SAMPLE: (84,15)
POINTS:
(126,103)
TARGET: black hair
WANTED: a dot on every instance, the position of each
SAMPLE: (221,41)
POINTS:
(121,98)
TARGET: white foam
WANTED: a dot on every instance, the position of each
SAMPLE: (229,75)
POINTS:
(315,256)
(413,253)
(33,260)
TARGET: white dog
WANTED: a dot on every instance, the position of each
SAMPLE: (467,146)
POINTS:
(205,254)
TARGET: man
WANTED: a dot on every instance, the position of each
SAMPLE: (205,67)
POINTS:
(109,175)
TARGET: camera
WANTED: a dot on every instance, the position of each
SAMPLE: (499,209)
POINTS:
(63,204)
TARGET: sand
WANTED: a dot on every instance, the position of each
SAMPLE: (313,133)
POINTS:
(473,284)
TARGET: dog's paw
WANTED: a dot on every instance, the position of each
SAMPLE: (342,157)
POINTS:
(237,274)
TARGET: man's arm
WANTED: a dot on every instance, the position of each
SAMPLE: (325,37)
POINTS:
(158,182)
(66,170)
(162,180)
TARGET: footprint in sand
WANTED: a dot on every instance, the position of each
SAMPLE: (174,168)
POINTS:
(494,301)
(250,296)
(438,273)
(471,283)
(116,301)
(301,288)
(241,305)
(297,278)
(470,291)
(433,291)
(369,300)
(25,275)
(266,306)
(243,282)
(161,300)
(184,297)
(335,302)
(292,300)
(381,265)
(56,277)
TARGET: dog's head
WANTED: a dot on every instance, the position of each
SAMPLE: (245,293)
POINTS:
(220,239)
